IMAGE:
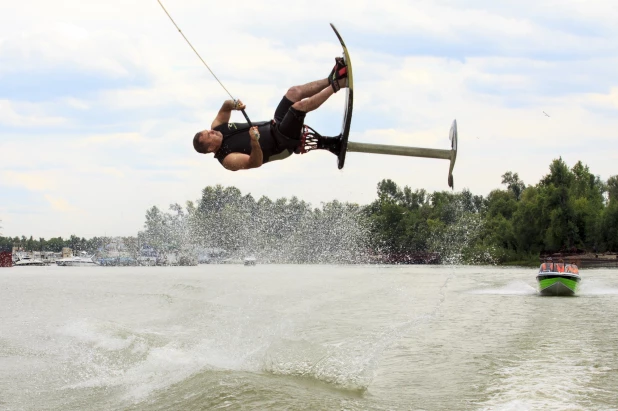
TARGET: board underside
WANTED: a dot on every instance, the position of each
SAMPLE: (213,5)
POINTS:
(347,118)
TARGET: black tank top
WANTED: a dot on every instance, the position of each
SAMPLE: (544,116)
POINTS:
(236,139)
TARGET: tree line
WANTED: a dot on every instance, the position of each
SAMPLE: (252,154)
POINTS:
(75,243)
(568,210)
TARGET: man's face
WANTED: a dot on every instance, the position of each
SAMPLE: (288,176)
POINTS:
(211,140)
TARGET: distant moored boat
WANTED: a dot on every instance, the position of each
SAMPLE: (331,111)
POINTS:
(22,261)
(83,261)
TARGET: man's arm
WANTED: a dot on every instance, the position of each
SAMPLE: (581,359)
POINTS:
(225,112)
(239,161)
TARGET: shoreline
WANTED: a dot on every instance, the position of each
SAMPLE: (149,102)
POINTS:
(586,260)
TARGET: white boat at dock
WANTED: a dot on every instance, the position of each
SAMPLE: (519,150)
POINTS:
(80,261)
(26,260)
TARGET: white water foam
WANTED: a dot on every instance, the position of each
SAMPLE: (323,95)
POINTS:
(86,332)
(524,405)
(555,375)
(141,362)
(595,287)
(112,356)
(348,364)
(517,287)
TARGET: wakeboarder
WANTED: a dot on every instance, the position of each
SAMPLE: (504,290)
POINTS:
(239,146)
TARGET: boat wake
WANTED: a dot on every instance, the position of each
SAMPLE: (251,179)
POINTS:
(345,367)
(586,288)
(111,356)
(512,288)
(592,287)
(348,365)
(137,363)
(534,380)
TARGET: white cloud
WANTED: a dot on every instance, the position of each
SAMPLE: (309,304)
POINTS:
(26,115)
(124,143)
(117,139)
(35,181)
(76,103)
(60,204)
(609,100)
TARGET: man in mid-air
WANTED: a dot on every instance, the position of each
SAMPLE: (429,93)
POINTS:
(238,146)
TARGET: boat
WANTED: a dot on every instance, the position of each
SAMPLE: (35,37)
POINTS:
(558,279)
(22,261)
(81,261)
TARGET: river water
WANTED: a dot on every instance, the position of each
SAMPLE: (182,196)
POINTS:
(314,337)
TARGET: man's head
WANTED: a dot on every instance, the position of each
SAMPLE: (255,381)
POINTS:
(207,141)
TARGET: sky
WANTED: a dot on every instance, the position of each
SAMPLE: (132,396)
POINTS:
(99,101)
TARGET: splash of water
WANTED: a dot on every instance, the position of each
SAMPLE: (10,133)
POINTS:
(283,231)
(517,287)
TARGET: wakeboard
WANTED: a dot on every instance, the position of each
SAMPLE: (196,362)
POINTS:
(349,99)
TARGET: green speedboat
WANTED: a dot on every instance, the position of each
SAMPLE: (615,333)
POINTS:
(558,279)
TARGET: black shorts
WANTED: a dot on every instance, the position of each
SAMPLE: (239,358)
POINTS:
(289,124)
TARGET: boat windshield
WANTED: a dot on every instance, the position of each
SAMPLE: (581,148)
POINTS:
(558,268)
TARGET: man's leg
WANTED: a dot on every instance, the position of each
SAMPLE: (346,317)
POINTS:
(305,98)
(315,92)
(290,115)
(297,93)
(311,103)
(299,100)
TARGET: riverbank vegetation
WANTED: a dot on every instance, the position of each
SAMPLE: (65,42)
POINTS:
(569,210)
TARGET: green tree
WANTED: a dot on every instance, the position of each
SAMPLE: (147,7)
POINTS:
(609,231)
(530,221)
(612,188)
(55,244)
(562,232)
(389,191)
(154,229)
(514,184)
(501,203)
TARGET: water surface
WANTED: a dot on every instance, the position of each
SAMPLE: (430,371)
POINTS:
(298,337)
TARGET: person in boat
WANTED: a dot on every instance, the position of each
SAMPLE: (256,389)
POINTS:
(560,266)
(238,146)
(548,265)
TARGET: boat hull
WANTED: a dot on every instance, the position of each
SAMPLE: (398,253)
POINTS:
(75,264)
(29,263)
(558,285)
